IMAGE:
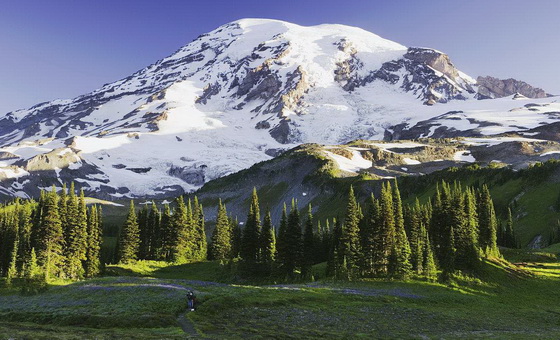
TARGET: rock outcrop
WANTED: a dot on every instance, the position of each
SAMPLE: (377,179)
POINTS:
(490,87)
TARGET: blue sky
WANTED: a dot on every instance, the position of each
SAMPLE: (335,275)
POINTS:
(64,48)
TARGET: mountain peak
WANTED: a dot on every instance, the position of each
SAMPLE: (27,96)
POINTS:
(236,96)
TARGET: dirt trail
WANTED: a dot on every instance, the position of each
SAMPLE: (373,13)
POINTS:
(188,327)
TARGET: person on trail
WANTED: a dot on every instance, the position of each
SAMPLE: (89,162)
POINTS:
(190,300)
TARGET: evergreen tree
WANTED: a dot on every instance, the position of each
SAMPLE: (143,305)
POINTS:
(92,264)
(12,272)
(268,244)
(487,223)
(384,232)
(350,236)
(308,245)
(251,235)
(281,242)
(235,238)
(509,234)
(50,237)
(166,233)
(77,240)
(221,237)
(129,241)
(145,230)
(180,223)
(155,235)
(199,246)
(401,248)
(293,242)
(428,262)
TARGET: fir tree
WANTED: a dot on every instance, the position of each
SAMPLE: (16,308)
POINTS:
(251,235)
(77,240)
(293,242)
(221,237)
(350,236)
(129,241)
(308,245)
(487,223)
(50,238)
(180,223)
(12,272)
(268,244)
(281,242)
(155,235)
(401,248)
(235,238)
(92,264)
(166,233)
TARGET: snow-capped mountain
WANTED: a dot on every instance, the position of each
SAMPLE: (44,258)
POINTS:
(243,93)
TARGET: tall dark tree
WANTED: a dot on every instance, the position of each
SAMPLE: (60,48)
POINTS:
(221,237)
(167,233)
(92,264)
(50,237)
(281,241)
(180,235)
(401,247)
(77,240)
(251,235)
(268,244)
(487,222)
(129,240)
(350,236)
(308,245)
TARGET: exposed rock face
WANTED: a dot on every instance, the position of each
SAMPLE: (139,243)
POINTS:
(194,176)
(427,73)
(490,87)
(56,159)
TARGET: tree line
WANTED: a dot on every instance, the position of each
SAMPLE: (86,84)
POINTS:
(175,236)
(57,236)
(454,230)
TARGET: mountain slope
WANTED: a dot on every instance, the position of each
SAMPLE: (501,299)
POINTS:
(241,94)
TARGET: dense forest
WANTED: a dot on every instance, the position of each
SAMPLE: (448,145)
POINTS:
(60,237)
(56,237)
(379,238)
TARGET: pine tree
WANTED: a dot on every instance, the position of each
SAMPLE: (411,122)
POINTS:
(199,245)
(235,238)
(180,236)
(293,242)
(487,223)
(385,232)
(350,236)
(370,234)
(428,262)
(308,245)
(154,222)
(129,241)
(509,233)
(281,242)
(401,248)
(268,244)
(145,232)
(221,237)
(12,272)
(50,238)
(166,233)
(251,235)
(77,240)
(92,264)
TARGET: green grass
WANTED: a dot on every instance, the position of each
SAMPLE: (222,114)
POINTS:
(503,302)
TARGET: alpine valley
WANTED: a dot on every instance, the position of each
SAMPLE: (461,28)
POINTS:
(252,89)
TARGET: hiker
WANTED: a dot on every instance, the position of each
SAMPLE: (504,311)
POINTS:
(190,300)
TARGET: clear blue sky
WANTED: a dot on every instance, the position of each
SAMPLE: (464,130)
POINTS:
(64,48)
